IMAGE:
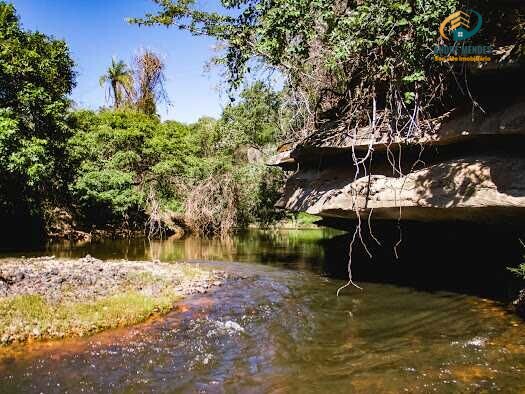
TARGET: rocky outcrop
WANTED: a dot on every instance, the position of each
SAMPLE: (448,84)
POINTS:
(457,168)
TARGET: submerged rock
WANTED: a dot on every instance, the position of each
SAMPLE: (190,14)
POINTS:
(233,326)
(519,304)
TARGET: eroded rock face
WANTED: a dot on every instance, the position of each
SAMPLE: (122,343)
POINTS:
(448,129)
(472,188)
(464,170)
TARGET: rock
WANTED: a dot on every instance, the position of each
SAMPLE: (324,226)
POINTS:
(477,188)
(332,138)
(89,279)
(42,258)
(283,160)
(519,304)
(4,288)
(477,175)
(250,154)
(231,325)
(254,155)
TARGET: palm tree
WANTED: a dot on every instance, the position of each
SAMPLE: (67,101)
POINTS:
(119,79)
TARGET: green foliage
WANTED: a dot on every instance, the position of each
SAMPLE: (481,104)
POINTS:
(36,75)
(259,189)
(121,167)
(119,79)
(119,156)
(347,59)
(520,270)
(252,122)
(248,188)
(305,219)
(129,164)
(24,315)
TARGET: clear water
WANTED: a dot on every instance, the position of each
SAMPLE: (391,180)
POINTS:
(282,330)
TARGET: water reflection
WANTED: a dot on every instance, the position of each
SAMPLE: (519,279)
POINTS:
(402,333)
(300,249)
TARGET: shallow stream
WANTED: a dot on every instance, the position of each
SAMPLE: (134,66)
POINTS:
(282,330)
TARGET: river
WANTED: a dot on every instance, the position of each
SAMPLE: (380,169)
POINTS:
(283,330)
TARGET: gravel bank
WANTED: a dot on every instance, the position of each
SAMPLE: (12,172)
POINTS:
(44,297)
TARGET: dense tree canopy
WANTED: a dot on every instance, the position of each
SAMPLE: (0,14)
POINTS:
(368,61)
(36,76)
(255,121)
(130,166)
(123,167)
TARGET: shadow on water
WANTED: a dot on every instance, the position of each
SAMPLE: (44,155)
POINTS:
(462,258)
(283,329)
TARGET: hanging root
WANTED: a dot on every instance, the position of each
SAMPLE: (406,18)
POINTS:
(370,227)
(350,281)
(400,234)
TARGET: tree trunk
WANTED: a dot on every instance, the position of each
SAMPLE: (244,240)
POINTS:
(115,93)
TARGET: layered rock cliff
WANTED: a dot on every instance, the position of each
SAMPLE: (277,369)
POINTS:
(458,168)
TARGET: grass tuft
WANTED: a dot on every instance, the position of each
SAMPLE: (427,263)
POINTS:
(32,317)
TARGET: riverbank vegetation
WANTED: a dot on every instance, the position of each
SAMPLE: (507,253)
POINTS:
(365,73)
(362,63)
(67,172)
(132,169)
(27,317)
(70,172)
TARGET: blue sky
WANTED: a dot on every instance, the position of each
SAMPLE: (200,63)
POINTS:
(96,30)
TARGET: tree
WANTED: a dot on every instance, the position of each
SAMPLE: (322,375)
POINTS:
(131,169)
(361,62)
(149,81)
(125,160)
(254,120)
(119,79)
(36,76)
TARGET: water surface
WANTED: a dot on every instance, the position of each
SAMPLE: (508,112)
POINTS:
(282,330)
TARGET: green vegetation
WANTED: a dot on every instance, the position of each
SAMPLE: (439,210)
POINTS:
(133,169)
(36,76)
(140,291)
(119,79)
(122,168)
(31,316)
(364,62)
(520,270)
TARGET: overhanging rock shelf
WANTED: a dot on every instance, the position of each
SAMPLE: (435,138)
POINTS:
(464,169)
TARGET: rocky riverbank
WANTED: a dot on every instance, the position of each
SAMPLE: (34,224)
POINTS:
(44,298)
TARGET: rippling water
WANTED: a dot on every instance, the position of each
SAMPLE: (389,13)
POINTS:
(282,330)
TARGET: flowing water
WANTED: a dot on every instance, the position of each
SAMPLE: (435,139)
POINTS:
(282,330)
